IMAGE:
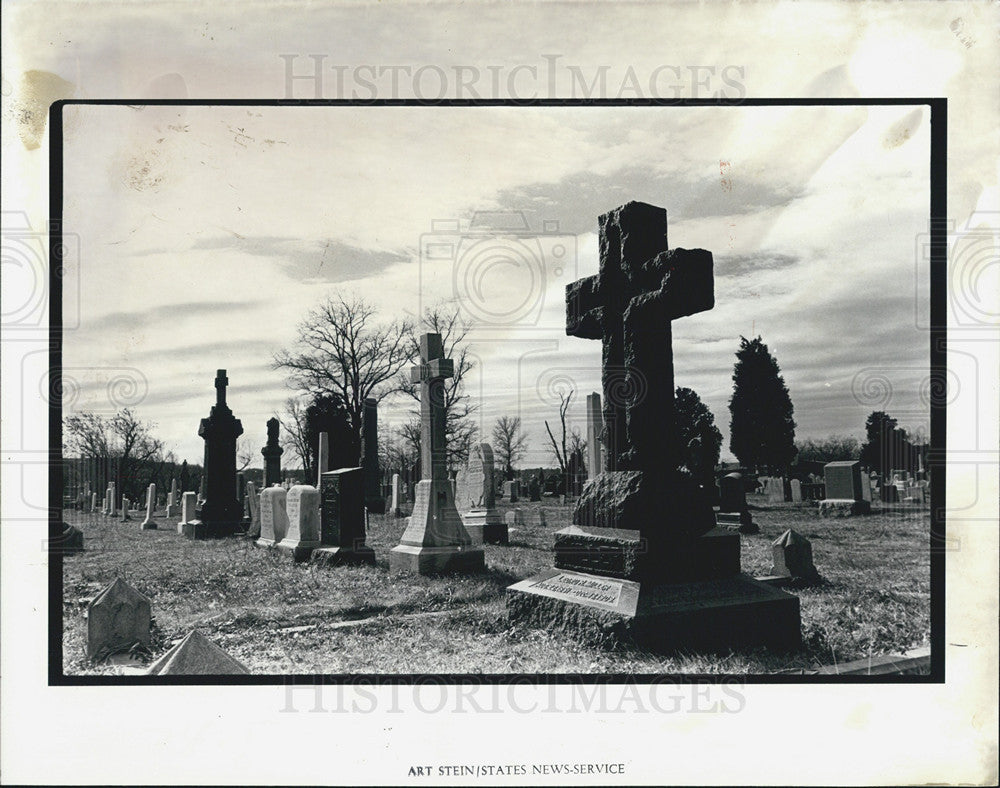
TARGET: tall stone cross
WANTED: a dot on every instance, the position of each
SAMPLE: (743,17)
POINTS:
(629,305)
(431,373)
(221,381)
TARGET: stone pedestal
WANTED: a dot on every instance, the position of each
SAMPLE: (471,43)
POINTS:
(435,541)
(485,526)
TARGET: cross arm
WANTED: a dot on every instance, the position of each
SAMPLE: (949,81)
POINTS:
(584,311)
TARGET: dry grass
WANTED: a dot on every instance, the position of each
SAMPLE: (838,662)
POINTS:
(278,618)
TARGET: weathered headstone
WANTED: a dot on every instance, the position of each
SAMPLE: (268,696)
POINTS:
(93,503)
(117,619)
(792,554)
(220,512)
(510,490)
(196,655)
(843,490)
(435,540)
(374,500)
(125,508)
(149,524)
(644,559)
(342,519)
(303,532)
(273,516)
(534,489)
(733,510)
(595,430)
(796,486)
(173,500)
(188,521)
(514,519)
(272,454)
(112,500)
(476,499)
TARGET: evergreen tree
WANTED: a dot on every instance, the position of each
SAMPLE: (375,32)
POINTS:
(761,428)
(887,448)
(698,438)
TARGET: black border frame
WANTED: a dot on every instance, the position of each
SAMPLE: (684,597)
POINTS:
(938,398)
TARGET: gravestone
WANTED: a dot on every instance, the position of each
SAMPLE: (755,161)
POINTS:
(396,487)
(796,486)
(196,655)
(595,429)
(188,521)
(117,619)
(435,541)
(302,537)
(149,524)
(775,489)
(534,489)
(173,502)
(476,500)
(273,516)
(514,519)
(112,500)
(843,490)
(510,490)
(733,509)
(792,555)
(342,519)
(93,503)
(374,500)
(253,503)
(272,454)
(125,505)
(220,512)
(644,560)
(542,520)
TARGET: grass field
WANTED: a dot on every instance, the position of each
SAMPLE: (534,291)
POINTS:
(279,618)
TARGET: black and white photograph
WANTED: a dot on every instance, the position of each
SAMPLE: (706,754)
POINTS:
(613,392)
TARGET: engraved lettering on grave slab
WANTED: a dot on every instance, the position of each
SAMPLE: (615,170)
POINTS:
(576,588)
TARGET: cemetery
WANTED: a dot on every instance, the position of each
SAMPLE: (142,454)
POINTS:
(627,558)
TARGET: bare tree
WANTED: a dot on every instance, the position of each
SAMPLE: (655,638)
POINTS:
(247,451)
(87,435)
(341,351)
(460,427)
(510,443)
(559,447)
(294,436)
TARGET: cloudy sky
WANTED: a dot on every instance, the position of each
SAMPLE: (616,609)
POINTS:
(207,234)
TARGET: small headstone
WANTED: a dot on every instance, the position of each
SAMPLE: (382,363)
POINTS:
(189,502)
(126,504)
(196,655)
(173,505)
(117,619)
(342,519)
(510,490)
(514,518)
(112,500)
(93,502)
(273,516)
(302,537)
(149,524)
(796,486)
(534,490)
(541,518)
(792,554)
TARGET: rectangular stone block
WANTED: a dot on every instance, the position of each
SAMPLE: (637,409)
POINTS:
(843,480)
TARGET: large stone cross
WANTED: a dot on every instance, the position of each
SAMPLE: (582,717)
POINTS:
(629,305)
(221,381)
(431,373)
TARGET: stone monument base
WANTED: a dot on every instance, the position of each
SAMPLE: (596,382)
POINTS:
(147,525)
(298,550)
(623,553)
(262,542)
(414,560)
(843,507)
(720,613)
(340,556)
(193,529)
(485,526)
